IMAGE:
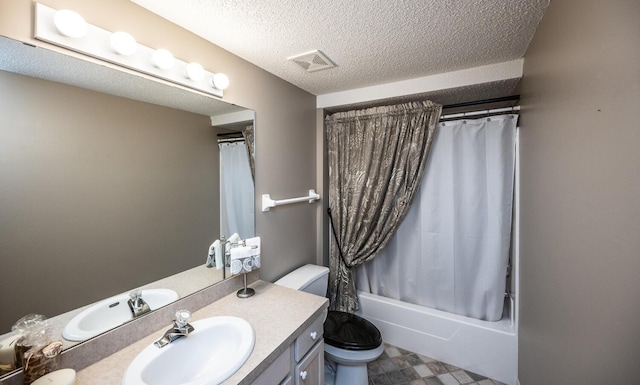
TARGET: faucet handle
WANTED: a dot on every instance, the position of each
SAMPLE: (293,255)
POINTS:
(135,295)
(182,318)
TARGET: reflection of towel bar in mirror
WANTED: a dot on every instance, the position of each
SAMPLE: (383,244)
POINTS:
(268,203)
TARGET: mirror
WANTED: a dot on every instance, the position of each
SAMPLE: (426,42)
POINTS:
(110,182)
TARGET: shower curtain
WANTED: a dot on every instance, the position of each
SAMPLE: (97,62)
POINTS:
(452,250)
(236,191)
(376,160)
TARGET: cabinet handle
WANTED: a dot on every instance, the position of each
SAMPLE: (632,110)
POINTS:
(313,335)
(303,375)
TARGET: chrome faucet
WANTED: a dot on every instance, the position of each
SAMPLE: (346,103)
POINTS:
(137,305)
(181,328)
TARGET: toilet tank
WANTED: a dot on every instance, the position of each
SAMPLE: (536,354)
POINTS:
(308,278)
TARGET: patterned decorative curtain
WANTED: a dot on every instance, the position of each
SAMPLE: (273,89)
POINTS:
(249,139)
(376,160)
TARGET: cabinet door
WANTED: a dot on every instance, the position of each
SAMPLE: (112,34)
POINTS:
(310,371)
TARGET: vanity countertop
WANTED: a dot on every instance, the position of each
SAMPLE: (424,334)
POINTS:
(276,313)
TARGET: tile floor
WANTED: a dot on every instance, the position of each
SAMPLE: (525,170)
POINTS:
(401,367)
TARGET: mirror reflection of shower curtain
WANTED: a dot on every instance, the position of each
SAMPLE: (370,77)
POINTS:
(451,251)
(236,191)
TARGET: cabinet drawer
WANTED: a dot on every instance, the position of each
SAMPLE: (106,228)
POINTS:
(310,371)
(308,338)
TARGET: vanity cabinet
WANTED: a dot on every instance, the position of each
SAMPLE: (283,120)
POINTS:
(302,363)
(287,324)
(278,372)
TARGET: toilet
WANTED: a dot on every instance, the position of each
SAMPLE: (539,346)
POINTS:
(350,341)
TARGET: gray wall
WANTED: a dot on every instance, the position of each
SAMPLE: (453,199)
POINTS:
(98,194)
(580,172)
(285,118)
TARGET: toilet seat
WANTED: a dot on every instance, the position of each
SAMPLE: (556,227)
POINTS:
(350,332)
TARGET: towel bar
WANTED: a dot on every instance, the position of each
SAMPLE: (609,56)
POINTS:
(268,203)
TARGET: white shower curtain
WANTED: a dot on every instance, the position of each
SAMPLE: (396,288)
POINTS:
(236,191)
(451,251)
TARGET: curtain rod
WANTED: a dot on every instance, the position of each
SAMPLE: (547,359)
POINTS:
(484,101)
(481,112)
(234,133)
(230,140)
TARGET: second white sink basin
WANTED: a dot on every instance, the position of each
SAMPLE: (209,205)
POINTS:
(210,354)
(111,312)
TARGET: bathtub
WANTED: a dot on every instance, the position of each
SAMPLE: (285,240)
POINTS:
(487,348)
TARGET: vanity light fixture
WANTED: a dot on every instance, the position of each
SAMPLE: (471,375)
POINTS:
(194,71)
(163,59)
(70,24)
(67,29)
(220,81)
(123,43)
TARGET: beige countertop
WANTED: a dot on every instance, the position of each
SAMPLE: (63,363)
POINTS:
(277,314)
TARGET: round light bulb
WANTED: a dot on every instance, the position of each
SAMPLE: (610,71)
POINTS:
(70,24)
(220,81)
(123,43)
(163,59)
(194,71)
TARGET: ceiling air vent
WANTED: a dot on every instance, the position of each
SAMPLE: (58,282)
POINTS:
(312,61)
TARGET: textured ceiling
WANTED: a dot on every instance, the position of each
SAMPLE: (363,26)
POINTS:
(371,41)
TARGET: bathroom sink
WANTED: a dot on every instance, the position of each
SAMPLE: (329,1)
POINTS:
(210,354)
(112,312)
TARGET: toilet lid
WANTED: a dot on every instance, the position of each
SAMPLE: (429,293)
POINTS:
(350,332)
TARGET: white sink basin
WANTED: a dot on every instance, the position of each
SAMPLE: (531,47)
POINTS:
(112,312)
(216,349)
